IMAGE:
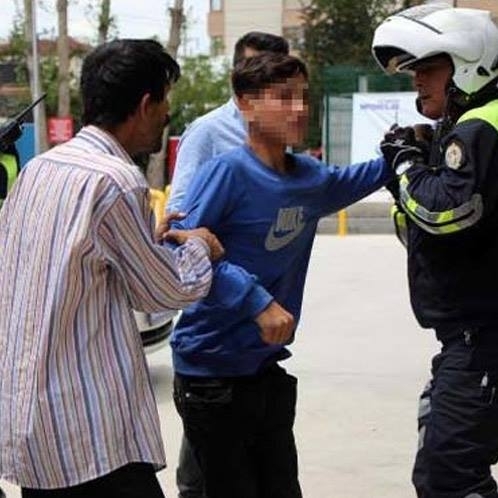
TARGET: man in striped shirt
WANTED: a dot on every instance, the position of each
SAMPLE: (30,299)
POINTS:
(78,416)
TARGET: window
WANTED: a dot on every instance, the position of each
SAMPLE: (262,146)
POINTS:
(216,5)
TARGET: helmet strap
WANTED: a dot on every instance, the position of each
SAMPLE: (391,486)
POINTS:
(458,102)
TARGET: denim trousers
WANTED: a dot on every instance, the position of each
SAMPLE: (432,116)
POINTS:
(189,479)
(241,433)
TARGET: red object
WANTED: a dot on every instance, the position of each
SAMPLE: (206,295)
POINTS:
(60,130)
(171,152)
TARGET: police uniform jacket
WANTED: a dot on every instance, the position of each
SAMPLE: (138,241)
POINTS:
(452,226)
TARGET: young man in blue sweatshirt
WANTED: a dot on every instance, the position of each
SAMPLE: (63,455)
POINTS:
(212,134)
(236,402)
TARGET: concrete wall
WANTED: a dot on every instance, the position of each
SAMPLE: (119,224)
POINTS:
(256,15)
(240,16)
(491,5)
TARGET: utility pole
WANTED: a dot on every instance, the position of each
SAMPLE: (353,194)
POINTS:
(175,31)
(64,101)
(156,167)
(36,76)
(30,32)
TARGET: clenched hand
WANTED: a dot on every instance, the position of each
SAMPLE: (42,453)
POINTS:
(276,323)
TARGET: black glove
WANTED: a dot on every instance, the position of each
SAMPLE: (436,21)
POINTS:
(393,188)
(419,135)
(401,148)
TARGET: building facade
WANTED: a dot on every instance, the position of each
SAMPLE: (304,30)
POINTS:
(491,5)
(228,20)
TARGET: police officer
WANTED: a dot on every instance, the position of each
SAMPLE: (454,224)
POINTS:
(449,193)
(9,169)
(9,158)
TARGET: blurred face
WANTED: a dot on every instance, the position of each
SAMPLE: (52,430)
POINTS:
(278,113)
(431,78)
(250,52)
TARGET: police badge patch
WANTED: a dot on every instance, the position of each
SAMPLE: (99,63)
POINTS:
(454,155)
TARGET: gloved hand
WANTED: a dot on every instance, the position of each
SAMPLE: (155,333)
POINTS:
(424,133)
(393,188)
(402,147)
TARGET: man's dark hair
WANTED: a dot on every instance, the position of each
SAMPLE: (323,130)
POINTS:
(262,42)
(255,73)
(116,75)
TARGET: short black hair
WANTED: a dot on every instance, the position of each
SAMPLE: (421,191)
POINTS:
(262,42)
(116,75)
(255,73)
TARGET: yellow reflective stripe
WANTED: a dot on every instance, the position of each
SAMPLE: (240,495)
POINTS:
(400,225)
(488,113)
(398,216)
(446,217)
(411,205)
(394,210)
(440,222)
(451,228)
(10,163)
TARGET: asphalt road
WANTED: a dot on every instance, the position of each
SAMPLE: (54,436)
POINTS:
(361,361)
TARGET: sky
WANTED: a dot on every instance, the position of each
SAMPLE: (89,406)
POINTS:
(135,19)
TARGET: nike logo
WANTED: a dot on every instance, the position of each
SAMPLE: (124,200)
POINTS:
(288,226)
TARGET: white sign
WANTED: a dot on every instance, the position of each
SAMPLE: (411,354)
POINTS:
(373,115)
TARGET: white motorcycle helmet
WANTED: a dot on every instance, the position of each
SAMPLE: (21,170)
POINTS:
(468,36)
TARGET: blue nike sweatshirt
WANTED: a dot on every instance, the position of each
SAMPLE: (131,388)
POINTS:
(266,221)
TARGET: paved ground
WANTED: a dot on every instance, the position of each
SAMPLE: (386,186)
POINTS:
(361,361)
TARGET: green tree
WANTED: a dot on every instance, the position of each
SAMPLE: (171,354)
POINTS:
(49,72)
(99,14)
(337,32)
(201,88)
(341,31)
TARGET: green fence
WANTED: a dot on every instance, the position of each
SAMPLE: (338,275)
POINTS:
(339,83)
(345,80)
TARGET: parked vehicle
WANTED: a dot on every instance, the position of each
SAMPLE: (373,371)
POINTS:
(155,328)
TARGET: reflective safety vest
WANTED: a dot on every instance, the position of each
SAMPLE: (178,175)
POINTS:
(452,227)
(9,169)
(399,219)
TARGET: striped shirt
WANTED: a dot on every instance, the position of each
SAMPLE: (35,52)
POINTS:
(76,254)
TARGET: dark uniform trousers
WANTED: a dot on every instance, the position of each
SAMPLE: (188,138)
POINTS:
(241,432)
(458,418)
